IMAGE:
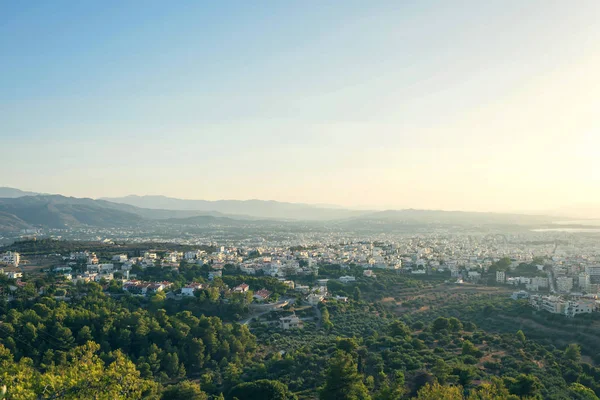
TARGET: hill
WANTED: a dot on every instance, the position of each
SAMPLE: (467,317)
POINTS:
(60,212)
(57,212)
(254,208)
(7,192)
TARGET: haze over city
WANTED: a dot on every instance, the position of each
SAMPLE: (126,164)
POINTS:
(300,200)
(490,106)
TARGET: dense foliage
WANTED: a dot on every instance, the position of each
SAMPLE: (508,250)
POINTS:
(395,337)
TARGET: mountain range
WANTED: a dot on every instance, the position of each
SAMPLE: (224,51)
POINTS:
(267,209)
(22,210)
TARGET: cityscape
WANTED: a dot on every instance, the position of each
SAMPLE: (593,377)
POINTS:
(310,200)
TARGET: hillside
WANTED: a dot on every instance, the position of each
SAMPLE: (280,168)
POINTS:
(7,192)
(254,208)
(60,212)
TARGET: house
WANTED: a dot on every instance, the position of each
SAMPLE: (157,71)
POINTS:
(369,273)
(243,288)
(521,294)
(14,274)
(214,274)
(262,295)
(120,258)
(291,322)
(109,276)
(302,288)
(106,267)
(155,288)
(11,258)
(315,298)
(289,284)
(347,279)
(419,271)
(92,259)
(188,290)
(143,288)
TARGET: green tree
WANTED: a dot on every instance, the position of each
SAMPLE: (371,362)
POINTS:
(263,389)
(454,324)
(524,385)
(391,389)
(347,345)
(582,392)
(439,324)
(399,329)
(573,352)
(441,370)
(343,382)
(435,391)
(184,390)
(491,391)
(325,318)
(356,295)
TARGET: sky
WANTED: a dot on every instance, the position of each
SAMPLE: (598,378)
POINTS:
(454,105)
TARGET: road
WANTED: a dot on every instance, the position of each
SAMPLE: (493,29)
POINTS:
(319,317)
(551,281)
(271,307)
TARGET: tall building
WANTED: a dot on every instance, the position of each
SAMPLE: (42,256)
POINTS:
(564,284)
(594,272)
(500,276)
(584,281)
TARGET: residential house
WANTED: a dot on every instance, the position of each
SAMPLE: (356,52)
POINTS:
(291,322)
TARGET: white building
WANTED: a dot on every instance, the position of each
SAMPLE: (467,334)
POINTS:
(594,272)
(347,279)
(189,290)
(11,258)
(584,281)
(120,258)
(579,307)
(291,322)
(14,274)
(557,305)
(564,284)
(106,267)
(500,276)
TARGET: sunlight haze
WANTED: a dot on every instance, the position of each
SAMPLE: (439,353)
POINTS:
(482,106)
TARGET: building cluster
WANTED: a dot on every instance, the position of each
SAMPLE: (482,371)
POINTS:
(569,307)
(145,288)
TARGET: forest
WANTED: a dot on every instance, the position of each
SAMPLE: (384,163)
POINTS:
(59,340)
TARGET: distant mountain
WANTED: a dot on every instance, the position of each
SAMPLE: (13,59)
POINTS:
(266,209)
(60,212)
(411,216)
(582,211)
(7,192)
(53,211)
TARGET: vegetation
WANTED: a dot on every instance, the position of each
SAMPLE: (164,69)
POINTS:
(395,337)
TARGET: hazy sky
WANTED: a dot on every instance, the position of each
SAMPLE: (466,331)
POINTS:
(471,105)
